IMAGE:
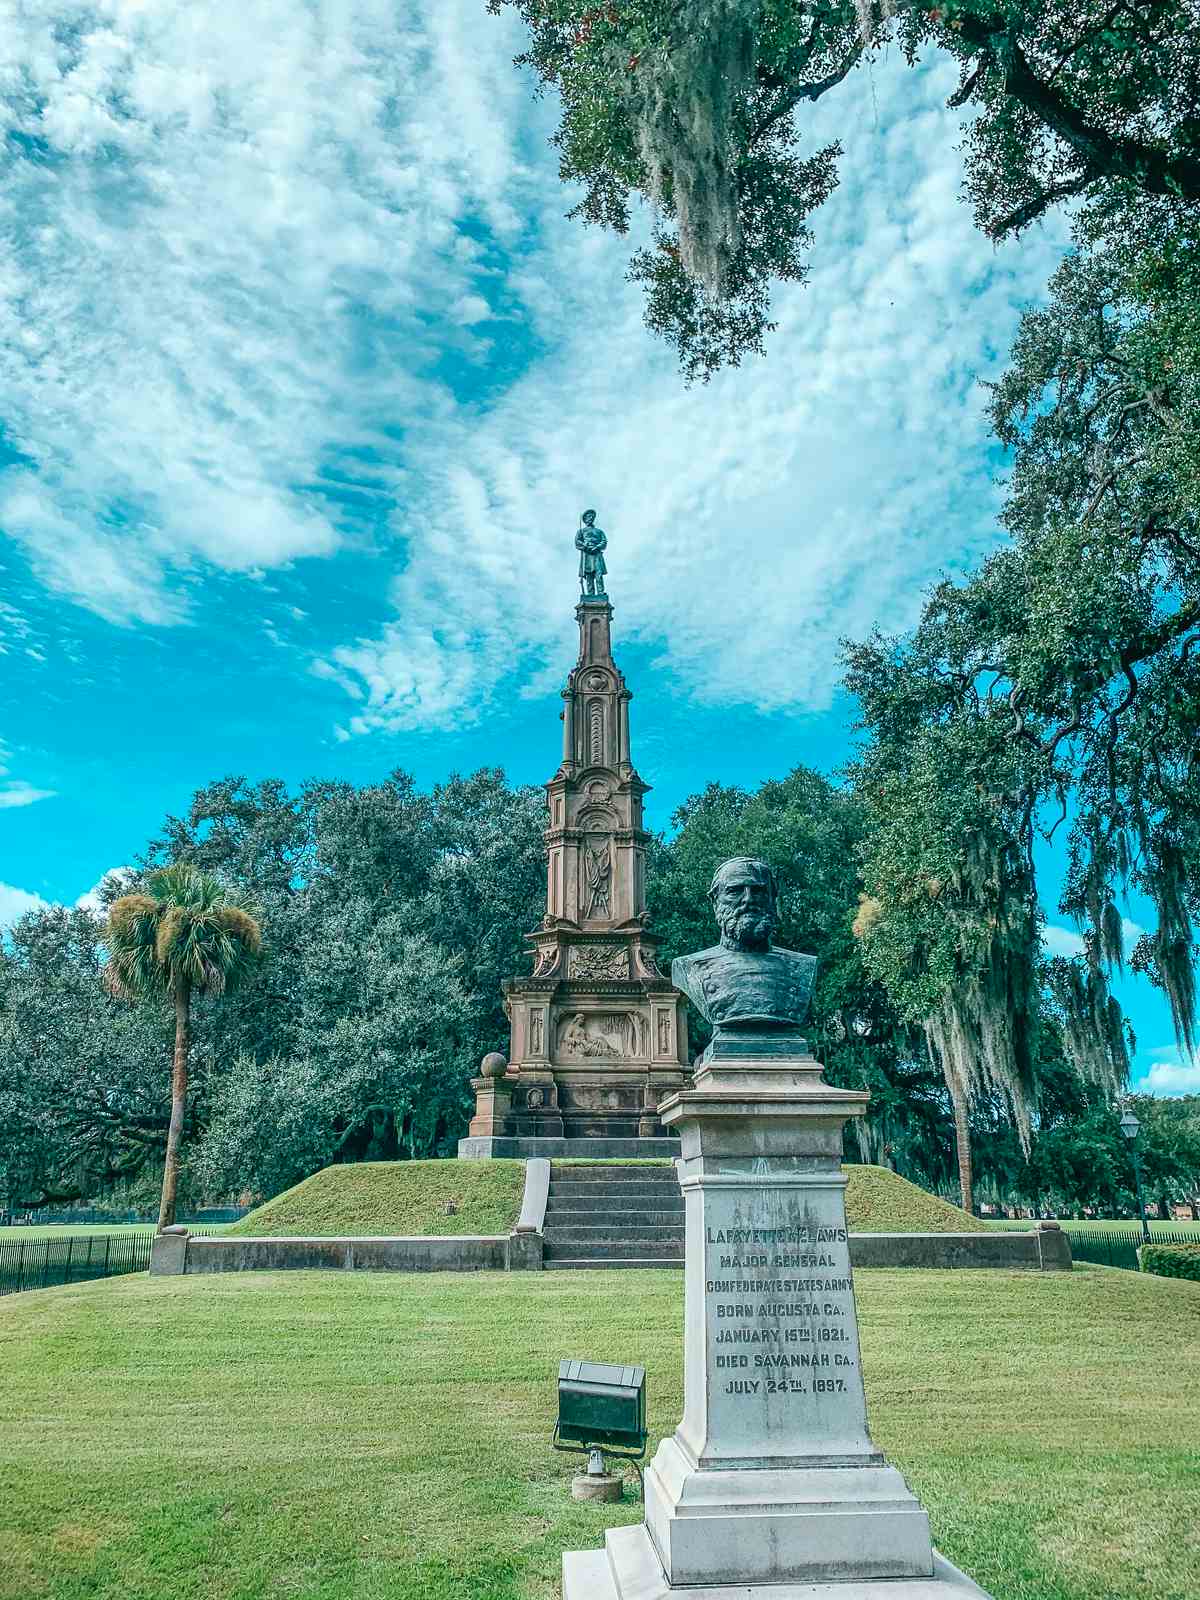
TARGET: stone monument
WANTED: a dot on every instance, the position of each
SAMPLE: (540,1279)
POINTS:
(771,1487)
(598,1032)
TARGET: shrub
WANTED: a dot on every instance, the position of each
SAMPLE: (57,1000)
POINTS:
(1172,1260)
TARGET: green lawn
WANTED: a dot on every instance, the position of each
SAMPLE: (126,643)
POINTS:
(72,1230)
(358,1436)
(77,1230)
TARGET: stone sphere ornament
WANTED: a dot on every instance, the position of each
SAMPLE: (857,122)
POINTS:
(493,1065)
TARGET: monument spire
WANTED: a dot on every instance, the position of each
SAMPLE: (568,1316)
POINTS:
(599,1034)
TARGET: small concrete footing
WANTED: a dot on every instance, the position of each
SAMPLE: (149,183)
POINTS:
(605,1486)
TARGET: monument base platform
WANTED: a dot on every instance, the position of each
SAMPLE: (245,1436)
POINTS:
(521,1149)
(628,1568)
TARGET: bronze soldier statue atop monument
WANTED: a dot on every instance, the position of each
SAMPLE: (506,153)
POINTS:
(591,542)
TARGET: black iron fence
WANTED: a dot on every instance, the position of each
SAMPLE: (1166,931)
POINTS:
(1118,1247)
(45,1263)
(42,1263)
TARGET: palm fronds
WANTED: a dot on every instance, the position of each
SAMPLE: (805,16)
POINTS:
(186,930)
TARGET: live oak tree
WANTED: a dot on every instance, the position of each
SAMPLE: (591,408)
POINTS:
(697,107)
(183,934)
(394,915)
(1055,695)
(83,1101)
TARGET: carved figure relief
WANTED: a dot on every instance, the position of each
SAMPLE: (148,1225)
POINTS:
(664,1033)
(602,1035)
(546,961)
(599,961)
(535,1099)
(535,1032)
(598,871)
(584,1035)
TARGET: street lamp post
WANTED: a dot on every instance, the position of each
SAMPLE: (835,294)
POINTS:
(1131,1127)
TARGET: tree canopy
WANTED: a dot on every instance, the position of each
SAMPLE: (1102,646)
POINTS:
(696,106)
(1055,694)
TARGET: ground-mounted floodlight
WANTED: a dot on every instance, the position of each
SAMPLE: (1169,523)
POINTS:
(601,1409)
(1131,1127)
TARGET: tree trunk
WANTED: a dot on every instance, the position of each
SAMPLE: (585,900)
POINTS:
(179,1083)
(962,1143)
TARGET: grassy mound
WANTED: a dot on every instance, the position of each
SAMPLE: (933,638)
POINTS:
(411,1198)
(327,1435)
(406,1198)
(879,1201)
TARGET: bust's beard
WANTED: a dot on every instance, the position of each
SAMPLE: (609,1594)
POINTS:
(747,930)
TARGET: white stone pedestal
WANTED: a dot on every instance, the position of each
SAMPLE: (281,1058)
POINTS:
(771,1487)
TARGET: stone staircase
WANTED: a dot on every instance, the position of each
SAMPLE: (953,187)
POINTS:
(612,1216)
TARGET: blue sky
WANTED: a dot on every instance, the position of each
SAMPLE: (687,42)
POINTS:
(306,379)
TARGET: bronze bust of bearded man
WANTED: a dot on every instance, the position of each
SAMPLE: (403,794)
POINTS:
(755,995)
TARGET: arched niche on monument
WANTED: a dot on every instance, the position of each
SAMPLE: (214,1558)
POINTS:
(602,817)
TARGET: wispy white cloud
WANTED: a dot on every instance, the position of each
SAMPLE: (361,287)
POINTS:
(14,903)
(1060,941)
(114,881)
(226,234)
(240,242)
(1171,1073)
(16,792)
(752,523)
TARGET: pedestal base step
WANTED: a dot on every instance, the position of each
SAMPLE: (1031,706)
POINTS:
(481,1147)
(628,1568)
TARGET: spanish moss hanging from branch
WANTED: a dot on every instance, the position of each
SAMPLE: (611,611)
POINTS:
(682,97)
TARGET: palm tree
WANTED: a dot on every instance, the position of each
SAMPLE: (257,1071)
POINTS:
(187,933)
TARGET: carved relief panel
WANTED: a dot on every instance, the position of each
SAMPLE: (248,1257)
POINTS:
(600,1035)
(598,961)
(537,1031)
(664,1022)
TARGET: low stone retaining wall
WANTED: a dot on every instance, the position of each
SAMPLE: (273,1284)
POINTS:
(1045,1248)
(190,1253)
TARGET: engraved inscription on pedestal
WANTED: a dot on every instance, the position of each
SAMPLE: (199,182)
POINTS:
(782,1358)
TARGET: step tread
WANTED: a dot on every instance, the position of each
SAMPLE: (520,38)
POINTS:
(608,1230)
(621,1219)
(610,1180)
(576,1263)
(578,1249)
(598,1191)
